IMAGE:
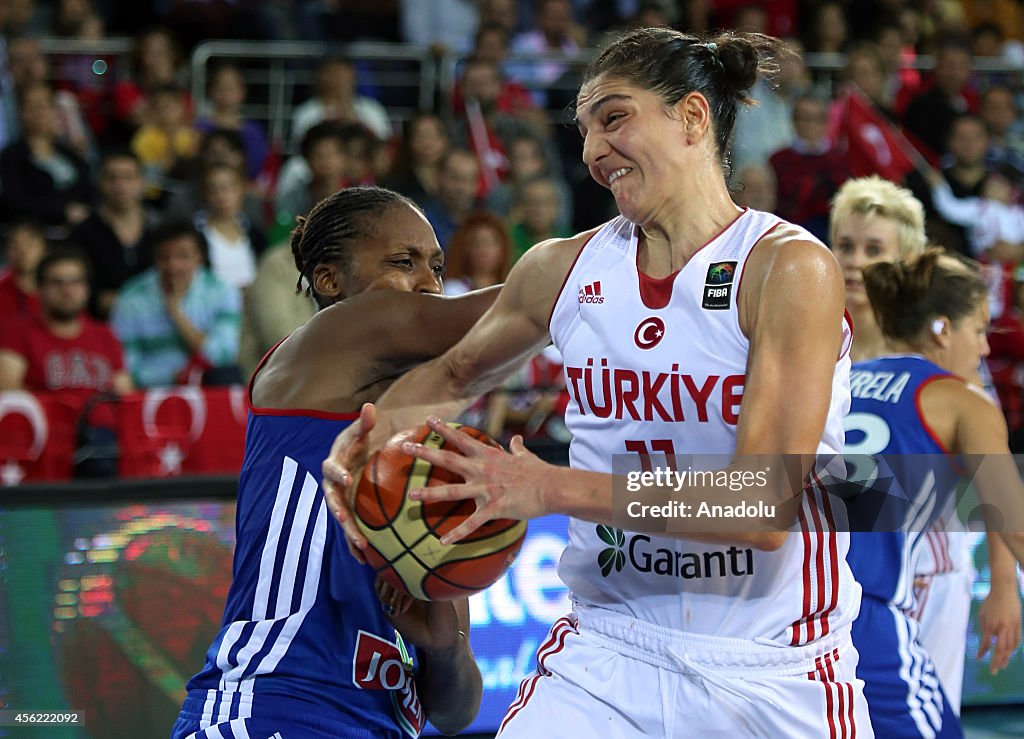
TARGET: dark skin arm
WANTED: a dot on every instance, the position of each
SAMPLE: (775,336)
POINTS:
(448,680)
(349,353)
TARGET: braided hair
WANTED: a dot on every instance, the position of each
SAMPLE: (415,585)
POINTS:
(328,232)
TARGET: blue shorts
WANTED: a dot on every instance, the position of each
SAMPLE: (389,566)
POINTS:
(904,695)
(277,720)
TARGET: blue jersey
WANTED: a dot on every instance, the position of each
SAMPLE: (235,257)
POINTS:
(303,631)
(885,422)
(906,460)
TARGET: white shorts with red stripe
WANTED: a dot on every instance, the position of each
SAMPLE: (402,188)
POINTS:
(603,674)
(944,611)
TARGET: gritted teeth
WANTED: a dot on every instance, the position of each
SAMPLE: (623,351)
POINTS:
(618,173)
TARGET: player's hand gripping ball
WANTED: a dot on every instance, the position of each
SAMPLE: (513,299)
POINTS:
(403,535)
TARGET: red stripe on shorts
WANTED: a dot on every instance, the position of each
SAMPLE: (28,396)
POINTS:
(553,645)
(806,537)
(833,553)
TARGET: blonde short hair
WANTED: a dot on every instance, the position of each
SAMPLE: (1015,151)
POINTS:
(873,196)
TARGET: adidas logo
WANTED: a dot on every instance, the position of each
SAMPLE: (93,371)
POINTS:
(591,293)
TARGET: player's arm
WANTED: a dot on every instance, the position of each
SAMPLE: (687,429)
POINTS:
(795,330)
(999,618)
(402,327)
(511,331)
(449,679)
(982,438)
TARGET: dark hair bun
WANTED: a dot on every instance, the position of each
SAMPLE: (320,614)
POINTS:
(907,294)
(740,59)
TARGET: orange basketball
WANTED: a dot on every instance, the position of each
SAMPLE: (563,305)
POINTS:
(404,535)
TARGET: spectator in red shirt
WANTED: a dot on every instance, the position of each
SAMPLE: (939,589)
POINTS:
(809,172)
(24,246)
(62,348)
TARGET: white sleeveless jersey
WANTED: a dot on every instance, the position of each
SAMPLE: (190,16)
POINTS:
(659,365)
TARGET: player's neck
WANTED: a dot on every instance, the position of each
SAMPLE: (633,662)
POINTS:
(668,241)
(868,341)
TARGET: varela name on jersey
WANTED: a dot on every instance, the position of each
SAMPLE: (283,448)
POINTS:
(885,387)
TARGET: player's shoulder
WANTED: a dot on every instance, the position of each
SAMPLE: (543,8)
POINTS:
(788,250)
(556,252)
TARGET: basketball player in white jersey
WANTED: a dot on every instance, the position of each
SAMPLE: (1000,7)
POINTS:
(687,326)
(873,220)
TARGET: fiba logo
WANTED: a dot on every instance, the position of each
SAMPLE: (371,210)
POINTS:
(649,333)
(718,286)
(591,293)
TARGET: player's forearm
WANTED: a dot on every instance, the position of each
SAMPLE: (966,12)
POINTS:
(432,389)
(1002,563)
(450,687)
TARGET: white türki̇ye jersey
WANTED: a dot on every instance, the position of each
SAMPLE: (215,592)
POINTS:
(659,365)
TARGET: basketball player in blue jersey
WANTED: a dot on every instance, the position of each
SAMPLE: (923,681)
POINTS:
(308,645)
(687,325)
(933,313)
(873,220)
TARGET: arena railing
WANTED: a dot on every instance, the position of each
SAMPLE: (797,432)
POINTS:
(281,74)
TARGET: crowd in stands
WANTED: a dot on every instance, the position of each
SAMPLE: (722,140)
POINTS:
(145,231)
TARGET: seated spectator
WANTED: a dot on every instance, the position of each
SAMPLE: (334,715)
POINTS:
(42,177)
(456,195)
(480,254)
(336,100)
(28,66)
(233,242)
(361,148)
(754,187)
(178,323)
(930,114)
(995,225)
(219,146)
(417,167)
(157,61)
(62,348)
(273,307)
(168,144)
(828,32)
(1005,143)
(323,149)
(865,70)
(534,215)
(902,80)
(808,173)
(24,248)
(512,97)
(445,26)
(115,238)
(227,95)
(553,32)
(487,130)
(527,159)
(965,169)
(763,129)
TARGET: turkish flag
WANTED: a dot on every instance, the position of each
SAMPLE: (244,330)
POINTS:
(873,145)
